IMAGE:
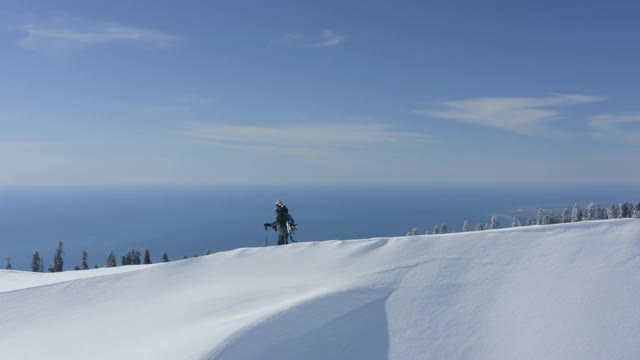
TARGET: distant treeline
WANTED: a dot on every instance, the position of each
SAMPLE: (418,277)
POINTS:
(548,217)
(133,257)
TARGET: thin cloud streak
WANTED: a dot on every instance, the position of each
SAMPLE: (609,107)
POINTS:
(526,116)
(297,137)
(608,126)
(329,38)
(40,37)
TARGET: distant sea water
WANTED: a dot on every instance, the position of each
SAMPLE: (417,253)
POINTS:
(185,221)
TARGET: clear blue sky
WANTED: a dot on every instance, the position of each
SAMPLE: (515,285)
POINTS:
(319,92)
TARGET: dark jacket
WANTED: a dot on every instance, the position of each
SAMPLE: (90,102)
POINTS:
(281,220)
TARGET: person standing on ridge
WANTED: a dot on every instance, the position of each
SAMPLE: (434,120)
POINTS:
(284,223)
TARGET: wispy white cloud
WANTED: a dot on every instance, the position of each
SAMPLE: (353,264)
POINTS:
(521,115)
(300,137)
(611,127)
(290,38)
(59,37)
(192,99)
(327,38)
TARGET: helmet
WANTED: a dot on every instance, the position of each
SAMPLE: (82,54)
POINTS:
(279,204)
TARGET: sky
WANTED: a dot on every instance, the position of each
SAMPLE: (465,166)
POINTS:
(309,92)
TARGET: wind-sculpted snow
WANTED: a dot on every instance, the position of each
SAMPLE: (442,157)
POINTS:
(565,291)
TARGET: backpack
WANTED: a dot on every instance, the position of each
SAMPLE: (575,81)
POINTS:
(291,224)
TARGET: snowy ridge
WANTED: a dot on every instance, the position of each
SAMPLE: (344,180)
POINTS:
(567,291)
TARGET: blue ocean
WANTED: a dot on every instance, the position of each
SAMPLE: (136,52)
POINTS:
(189,220)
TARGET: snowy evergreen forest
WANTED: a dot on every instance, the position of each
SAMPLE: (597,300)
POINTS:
(593,211)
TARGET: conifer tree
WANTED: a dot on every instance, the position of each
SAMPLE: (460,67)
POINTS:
(58,261)
(85,265)
(494,222)
(35,262)
(626,210)
(539,217)
(95,266)
(209,252)
(111,260)
(413,232)
(530,222)
(77,267)
(124,261)
(565,216)
(444,229)
(576,214)
(185,257)
(8,266)
(546,220)
(165,258)
(436,230)
(479,227)
(591,212)
(515,222)
(147,257)
(135,257)
(465,226)
(601,212)
(614,211)
(51,269)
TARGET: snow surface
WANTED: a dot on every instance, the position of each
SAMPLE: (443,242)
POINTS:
(568,291)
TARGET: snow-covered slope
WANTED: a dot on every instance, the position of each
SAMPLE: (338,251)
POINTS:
(566,291)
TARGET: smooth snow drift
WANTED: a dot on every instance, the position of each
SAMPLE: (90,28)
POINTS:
(567,291)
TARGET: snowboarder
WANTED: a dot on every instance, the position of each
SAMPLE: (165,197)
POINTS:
(284,223)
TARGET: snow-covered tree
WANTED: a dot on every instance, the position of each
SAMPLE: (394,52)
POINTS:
(478,227)
(591,213)
(132,258)
(436,230)
(637,210)
(111,260)
(444,229)
(539,217)
(626,210)
(36,262)
(602,212)
(85,265)
(413,232)
(165,257)
(576,214)
(209,252)
(465,226)
(546,220)
(614,211)
(147,257)
(515,222)
(8,266)
(494,222)
(58,261)
(530,222)
(565,216)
